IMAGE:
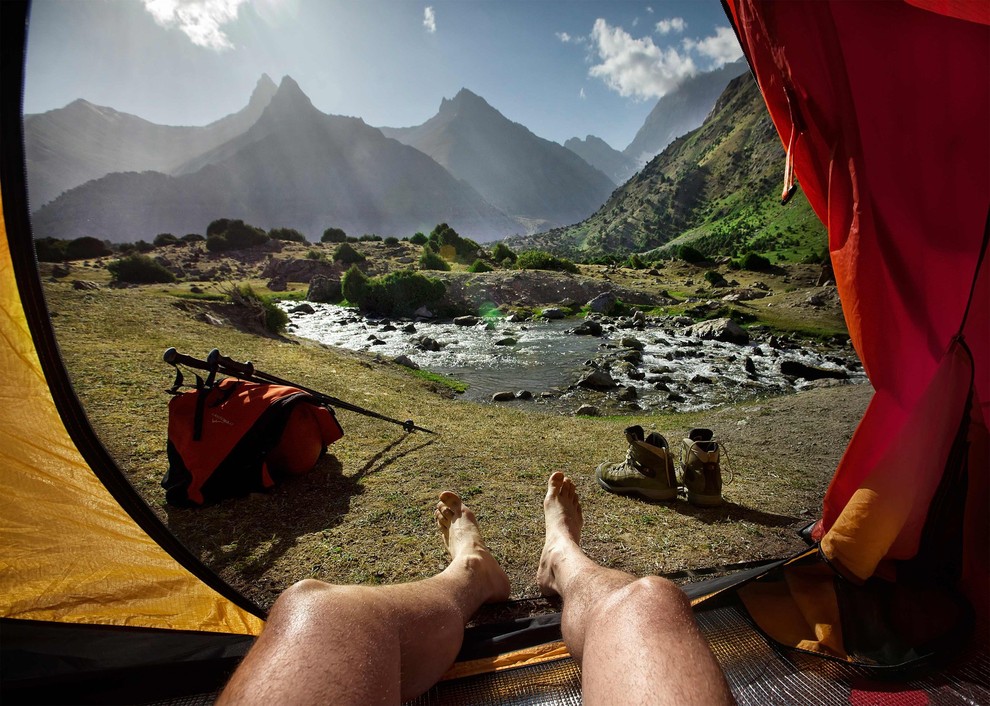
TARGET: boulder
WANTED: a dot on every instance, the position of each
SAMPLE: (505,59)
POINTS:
(632,342)
(84,284)
(604,303)
(323,288)
(304,308)
(427,344)
(797,369)
(553,313)
(586,410)
(466,321)
(597,380)
(507,341)
(627,394)
(423,313)
(405,361)
(524,395)
(720,330)
(588,327)
(503,396)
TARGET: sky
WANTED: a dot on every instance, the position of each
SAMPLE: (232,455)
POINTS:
(562,68)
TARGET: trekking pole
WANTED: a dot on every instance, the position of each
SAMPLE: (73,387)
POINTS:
(245,371)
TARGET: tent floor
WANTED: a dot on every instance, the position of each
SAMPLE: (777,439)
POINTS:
(758,674)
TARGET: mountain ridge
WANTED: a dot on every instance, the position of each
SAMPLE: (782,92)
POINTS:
(294,167)
(716,187)
(524,175)
(69,146)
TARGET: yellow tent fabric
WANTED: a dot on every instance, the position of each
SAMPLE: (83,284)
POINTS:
(68,551)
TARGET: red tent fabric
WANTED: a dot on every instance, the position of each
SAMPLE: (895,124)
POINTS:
(886,107)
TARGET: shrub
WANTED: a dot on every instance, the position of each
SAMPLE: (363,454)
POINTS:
(430,260)
(164,239)
(715,279)
(370,238)
(540,260)
(139,269)
(418,239)
(754,261)
(225,234)
(354,285)
(334,235)
(272,318)
(399,293)
(288,234)
(690,254)
(86,247)
(347,255)
(635,262)
(502,252)
(391,240)
(50,249)
(193,238)
(143,246)
(315,255)
(479,266)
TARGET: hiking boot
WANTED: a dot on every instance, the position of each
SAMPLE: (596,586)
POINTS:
(648,469)
(701,474)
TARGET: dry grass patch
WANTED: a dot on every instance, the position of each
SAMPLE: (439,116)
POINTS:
(364,515)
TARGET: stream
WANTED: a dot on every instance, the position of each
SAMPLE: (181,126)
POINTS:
(672,372)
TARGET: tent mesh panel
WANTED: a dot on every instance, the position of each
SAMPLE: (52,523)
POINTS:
(758,674)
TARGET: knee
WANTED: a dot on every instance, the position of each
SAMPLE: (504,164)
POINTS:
(651,595)
(299,599)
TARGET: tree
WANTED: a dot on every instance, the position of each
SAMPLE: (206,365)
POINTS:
(430,260)
(50,249)
(480,266)
(334,235)
(86,247)
(226,234)
(164,239)
(502,252)
(418,239)
(345,254)
(139,269)
(540,260)
(287,234)
(690,254)
(354,285)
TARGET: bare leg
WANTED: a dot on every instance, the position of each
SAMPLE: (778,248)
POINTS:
(372,645)
(635,639)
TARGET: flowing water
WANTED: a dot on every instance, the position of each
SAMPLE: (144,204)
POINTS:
(676,371)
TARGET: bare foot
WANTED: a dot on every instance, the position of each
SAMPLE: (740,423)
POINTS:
(462,537)
(562,512)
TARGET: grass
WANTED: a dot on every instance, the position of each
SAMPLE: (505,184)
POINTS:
(364,515)
(453,384)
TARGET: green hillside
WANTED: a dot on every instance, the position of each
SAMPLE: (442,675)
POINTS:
(717,188)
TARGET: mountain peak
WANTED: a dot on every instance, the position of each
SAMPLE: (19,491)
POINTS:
(289,97)
(264,91)
(464,99)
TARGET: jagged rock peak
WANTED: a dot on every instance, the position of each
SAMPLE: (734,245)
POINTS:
(463,99)
(264,90)
(290,92)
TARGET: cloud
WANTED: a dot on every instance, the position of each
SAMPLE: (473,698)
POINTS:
(200,20)
(564,37)
(637,67)
(649,9)
(722,47)
(674,24)
(430,19)
(581,93)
